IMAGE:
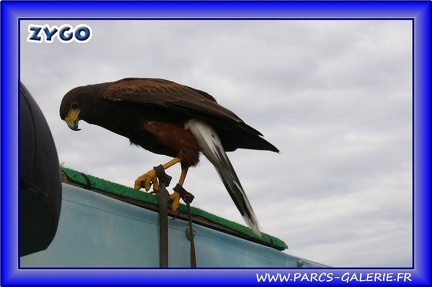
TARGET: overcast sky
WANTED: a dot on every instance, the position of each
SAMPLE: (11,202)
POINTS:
(334,96)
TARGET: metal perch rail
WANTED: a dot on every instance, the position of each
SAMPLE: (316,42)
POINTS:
(164,181)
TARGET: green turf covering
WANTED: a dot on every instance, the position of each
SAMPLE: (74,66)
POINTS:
(92,182)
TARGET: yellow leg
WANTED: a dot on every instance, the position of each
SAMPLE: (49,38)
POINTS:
(149,178)
(171,162)
(175,197)
(183,175)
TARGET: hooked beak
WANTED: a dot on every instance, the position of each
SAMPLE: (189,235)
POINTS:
(73,125)
(72,120)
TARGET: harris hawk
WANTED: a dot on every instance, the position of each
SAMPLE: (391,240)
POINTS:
(171,119)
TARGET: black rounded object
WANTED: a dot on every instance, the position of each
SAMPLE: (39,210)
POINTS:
(40,179)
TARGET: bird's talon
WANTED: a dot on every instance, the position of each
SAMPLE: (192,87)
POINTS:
(147,180)
(175,197)
(176,215)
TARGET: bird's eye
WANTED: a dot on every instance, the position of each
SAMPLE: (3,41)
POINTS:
(75,105)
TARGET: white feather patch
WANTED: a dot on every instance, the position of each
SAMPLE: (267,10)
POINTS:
(212,148)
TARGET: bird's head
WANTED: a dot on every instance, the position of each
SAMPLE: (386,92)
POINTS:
(81,103)
(70,108)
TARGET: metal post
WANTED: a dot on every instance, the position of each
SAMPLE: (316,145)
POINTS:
(163,225)
(164,181)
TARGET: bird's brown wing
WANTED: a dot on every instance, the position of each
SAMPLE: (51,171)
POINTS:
(171,97)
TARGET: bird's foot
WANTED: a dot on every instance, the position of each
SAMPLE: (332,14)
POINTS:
(155,177)
(175,197)
(147,180)
(183,194)
(180,193)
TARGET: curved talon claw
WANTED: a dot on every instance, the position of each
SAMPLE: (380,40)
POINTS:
(176,215)
(147,180)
